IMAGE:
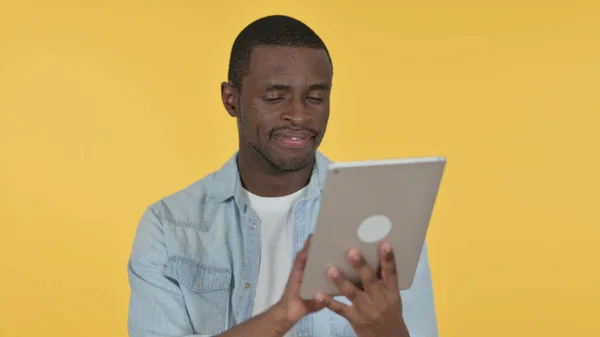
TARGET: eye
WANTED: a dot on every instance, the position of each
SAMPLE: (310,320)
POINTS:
(314,99)
(272,99)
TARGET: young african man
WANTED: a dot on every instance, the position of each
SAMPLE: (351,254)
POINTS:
(225,255)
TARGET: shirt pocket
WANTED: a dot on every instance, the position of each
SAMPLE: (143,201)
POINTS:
(206,292)
(338,325)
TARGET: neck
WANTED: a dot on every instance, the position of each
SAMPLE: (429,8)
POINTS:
(262,179)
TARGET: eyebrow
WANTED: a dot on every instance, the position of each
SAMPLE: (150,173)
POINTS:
(284,87)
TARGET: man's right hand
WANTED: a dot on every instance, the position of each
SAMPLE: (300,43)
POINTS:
(291,308)
(281,317)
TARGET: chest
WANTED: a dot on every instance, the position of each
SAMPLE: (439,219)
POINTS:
(216,267)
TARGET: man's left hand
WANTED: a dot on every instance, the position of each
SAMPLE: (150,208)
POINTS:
(376,309)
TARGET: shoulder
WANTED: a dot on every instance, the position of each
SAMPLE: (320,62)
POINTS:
(185,207)
(190,206)
(322,159)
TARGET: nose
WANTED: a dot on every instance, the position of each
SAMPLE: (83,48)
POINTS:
(296,113)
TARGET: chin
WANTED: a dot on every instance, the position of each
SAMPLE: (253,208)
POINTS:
(285,160)
(292,163)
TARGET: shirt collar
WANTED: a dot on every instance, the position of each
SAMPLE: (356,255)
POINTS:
(227,184)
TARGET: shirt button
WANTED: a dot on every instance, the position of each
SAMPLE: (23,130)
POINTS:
(247,285)
(253,225)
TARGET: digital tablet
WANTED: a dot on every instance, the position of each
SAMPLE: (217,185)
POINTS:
(364,203)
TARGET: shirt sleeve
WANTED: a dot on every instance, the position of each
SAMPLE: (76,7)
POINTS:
(418,301)
(156,306)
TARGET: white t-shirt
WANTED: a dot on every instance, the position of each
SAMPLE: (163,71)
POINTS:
(276,260)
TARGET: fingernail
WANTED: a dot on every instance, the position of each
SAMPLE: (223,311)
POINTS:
(320,298)
(386,248)
(354,254)
(333,272)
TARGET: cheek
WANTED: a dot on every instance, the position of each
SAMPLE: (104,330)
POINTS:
(264,126)
(254,125)
(322,116)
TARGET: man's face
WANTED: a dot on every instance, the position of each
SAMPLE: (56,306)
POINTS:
(284,105)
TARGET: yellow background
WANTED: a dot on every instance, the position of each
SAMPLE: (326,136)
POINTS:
(107,106)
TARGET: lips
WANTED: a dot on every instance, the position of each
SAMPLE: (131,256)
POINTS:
(294,139)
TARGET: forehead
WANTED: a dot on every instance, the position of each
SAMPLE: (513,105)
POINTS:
(289,65)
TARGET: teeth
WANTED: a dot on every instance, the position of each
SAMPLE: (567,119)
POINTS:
(295,138)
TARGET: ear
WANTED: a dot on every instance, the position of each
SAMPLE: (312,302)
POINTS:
(229,96)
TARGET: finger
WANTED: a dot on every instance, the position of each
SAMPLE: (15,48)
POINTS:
(314,305)
(338,307)
(368,277)
(297,272)
(307,243)
(389,273)
(347,288)
(300,261)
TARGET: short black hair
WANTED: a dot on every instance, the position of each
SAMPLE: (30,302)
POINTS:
(273,30)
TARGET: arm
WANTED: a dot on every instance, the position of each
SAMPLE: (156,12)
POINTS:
(157,307)
(271,323)
(278,320)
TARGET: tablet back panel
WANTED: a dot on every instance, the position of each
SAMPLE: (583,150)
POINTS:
(374,193)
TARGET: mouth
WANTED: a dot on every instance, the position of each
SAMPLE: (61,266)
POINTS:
(294,139)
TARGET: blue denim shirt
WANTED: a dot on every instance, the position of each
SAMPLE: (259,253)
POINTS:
(195,261)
